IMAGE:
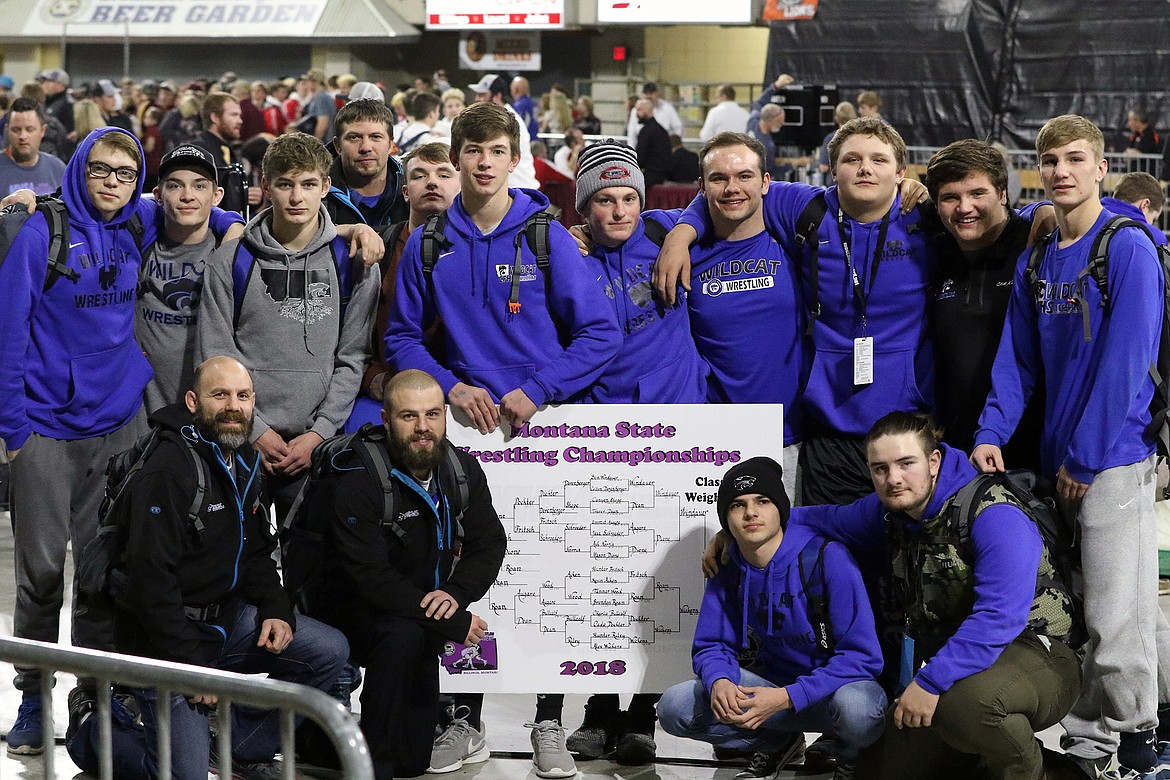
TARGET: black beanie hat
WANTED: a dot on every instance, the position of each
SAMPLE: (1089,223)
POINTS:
(755,475)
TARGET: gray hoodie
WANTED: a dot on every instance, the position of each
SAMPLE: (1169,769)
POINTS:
(305,362)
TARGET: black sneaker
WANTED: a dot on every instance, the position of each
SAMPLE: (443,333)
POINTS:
(598,734)
(767,764)
(82,703)
(819,756)
(635,749)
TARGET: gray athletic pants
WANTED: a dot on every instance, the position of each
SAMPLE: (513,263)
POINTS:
(57,487)
(1119,554)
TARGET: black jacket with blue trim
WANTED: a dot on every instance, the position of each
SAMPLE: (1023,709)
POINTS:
(369,571)
(391,207)
(171,565)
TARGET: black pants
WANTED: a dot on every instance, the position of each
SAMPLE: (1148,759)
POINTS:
(833,469)
(400,696)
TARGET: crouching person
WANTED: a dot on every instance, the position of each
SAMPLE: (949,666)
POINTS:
(201,587)
(411,540)
(798,603)
(983,664)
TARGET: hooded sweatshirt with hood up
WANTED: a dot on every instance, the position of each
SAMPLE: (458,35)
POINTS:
(69,365)
(306,362)
(766,610)
(552,349)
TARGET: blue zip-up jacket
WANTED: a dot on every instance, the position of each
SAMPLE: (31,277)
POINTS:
(553,349)
(658,362)
(1123,209)
(1097,394)
(767,609)
(748,320)
(69,365)
(1006,548)
(171,565)
(895,316)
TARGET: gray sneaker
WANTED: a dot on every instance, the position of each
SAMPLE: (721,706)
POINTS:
(459,744)
(550,757)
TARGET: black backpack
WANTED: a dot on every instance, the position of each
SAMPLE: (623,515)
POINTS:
(536,230)
(811,565)
(13,217)
(1098,270)
(302,534)
(101,566)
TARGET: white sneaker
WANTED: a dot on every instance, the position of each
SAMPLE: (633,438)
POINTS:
(550,757)
(459,744)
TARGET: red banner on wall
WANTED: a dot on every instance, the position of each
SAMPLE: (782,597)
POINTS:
(789,10)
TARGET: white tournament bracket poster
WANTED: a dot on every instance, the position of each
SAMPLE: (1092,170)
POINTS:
(607,510)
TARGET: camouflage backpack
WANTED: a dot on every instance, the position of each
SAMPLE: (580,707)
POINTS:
(935,575)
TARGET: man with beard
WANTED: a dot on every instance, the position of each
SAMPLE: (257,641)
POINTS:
(207,593)
(23,164)
(390,583)
(222,119)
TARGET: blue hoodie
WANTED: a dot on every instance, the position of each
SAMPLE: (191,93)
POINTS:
(658,362)
(1097,396)
(903,364)
(748,320)
(552,349)
(767,610)
(1006,548)
(1121,208)
(69,365)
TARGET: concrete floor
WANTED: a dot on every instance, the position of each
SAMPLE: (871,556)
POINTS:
(503,715)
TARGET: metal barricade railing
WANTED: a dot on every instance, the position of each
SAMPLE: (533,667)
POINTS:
(166,678)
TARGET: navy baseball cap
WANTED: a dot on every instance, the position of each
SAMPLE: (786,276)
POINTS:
(190,157)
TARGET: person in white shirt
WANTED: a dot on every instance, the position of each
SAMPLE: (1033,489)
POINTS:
(664,114)
(495,89)
(726,116)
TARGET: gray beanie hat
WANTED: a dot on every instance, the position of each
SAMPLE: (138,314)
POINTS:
(607,164)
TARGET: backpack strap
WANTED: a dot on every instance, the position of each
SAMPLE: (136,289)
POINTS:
(242,264)
(655,231)
(137,231)
(53,210)
(390,234)
(816,591)
(376,459)
(200,468)
(535,232)
(807,225)
(343,263)
(462,488)
(433,242)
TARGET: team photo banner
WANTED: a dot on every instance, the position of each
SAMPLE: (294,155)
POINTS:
(607,510)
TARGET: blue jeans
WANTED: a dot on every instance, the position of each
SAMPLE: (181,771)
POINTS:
(313,658)
(852,716)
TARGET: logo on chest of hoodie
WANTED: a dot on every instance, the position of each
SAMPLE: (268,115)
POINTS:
(304,296)
(527,273)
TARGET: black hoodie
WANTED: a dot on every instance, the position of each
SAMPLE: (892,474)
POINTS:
(172,566)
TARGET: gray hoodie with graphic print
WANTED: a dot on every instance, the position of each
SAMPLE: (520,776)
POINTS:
(305,347)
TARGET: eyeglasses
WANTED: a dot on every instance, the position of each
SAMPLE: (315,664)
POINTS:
(99,170)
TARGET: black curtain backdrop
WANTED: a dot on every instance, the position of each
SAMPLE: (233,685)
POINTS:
(950,69)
